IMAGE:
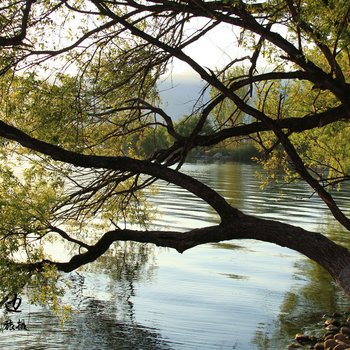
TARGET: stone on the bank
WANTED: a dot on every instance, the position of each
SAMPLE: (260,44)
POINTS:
(331,321)
(336,335)
(329,343)
(329,335)
(304,339)
(345,330)
(342,337)
(294,346)
(341,347)
(328,322)
(332,328)
(301,338)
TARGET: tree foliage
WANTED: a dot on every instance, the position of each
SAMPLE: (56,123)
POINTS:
(84,135)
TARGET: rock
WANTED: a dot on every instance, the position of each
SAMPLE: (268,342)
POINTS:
(342,337)
(330,343)
(345,330)
(333,328)
(335,335)
(319,346)
(346,344)
(304,339)
(328,322)
(331,321)
(301,338)
(328,335)
(294,346)
(341,347)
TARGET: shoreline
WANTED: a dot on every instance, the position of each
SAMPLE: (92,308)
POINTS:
(333,334)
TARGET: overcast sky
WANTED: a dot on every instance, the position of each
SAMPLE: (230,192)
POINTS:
(179,93)
(181,87)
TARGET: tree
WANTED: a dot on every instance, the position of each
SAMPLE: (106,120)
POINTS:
(79,90)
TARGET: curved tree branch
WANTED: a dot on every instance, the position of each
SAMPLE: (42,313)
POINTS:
(311,244)
(18,38)
(123,164)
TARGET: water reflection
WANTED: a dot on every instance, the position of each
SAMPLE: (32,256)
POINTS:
(99,326)
(123,267)
(313,296)
(102,296)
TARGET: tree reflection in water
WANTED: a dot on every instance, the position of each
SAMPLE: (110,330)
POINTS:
(102,294)
(98,326)
(313,297)
(128,263)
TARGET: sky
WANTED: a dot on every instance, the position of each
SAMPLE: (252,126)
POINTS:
(215,49)
(180,87)
(179,92)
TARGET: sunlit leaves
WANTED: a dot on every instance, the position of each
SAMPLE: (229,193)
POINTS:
(13,278)
(329,20)
(324,150)
(326,153)
(47,288)
(26,206)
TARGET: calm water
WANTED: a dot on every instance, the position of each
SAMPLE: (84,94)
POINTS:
(240,294)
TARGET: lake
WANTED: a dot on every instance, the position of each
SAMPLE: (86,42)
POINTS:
(241,294)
